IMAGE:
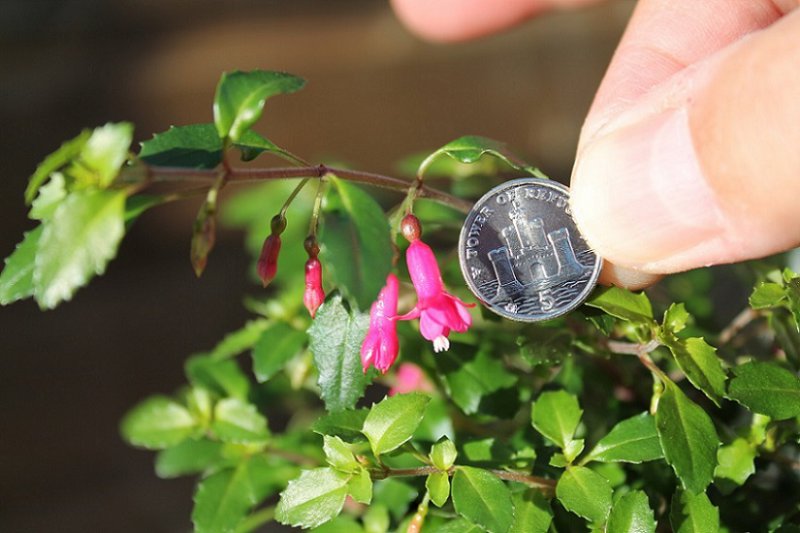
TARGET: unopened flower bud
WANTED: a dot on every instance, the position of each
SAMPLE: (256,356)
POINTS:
(267,265)
(313,295)
(410,228)
(277,224)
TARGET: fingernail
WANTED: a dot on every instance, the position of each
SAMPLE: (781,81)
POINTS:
(639,196)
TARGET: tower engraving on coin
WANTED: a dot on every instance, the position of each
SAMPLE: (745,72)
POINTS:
(521,253)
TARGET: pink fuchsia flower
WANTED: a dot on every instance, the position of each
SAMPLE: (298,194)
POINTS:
(267,266)
(410,378)
(314,295)
(439,312)
(380,346)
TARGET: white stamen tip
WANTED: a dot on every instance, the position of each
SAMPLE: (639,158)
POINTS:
(441,344)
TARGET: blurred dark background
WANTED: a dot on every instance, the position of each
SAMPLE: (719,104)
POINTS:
(375,94)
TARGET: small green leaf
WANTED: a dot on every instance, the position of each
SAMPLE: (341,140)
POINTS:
(200,402)
(16,280)
(633,440)
(443,454)
(532,512)
(276,345)
(470,148)
(58,159)
(438,486)
(735,461)
(312,499)
(631,514)
(675,318)
(50,196)
(339,455)
(483,499)
(223,499)
(157,423)
(693,513)
(253,145)
(240,97)
(345,424)
(189,457)
(204,232)
(356,246)
(240,340)
(335,340)
(700,363)
(192,146)
(623,304)
(767,294)
(77,243)
(239,422)
(585,493)
(556,415)
(393,420)
(766,388)
(687,437)
(224,377)
(469,380)
(102,156)
(360,486)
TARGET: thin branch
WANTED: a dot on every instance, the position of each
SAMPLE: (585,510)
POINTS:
(738,323)
(533,481)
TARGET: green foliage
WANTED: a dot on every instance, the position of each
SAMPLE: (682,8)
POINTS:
(507,393)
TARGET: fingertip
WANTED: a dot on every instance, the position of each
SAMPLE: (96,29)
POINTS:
(627,278)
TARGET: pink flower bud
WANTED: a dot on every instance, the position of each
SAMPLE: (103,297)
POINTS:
(267,265)
(410,378)
(313,295)
(380,346)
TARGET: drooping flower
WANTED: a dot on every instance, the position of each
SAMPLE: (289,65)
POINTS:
(380,346)
(439,312)
(410,378)
(267,266)
(314,295)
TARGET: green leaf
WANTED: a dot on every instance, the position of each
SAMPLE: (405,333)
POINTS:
(158,422)
(58,159)
(339,455)
(223,377)
(204,231)
(470,148)
(469,380)
(240,97)
(312,499)
(376,519)
(623,304)
(457,525)
(556,415)
(483,499)
(223,499)
(585,493)
(102,156)
(77,243)
(340,524)
(438,486)
(633,440)
(189,457)
(192,146)
(239,422)
(393,420)
(766,388)
(532,513)
(395,495)
(443,454)
(631,514)
(360,486)
(687,437)
(335,340)
(735,461)
(16,280)
(50,196)
(693,513)
(356,246)
(276,345)
(252,145)
(675,318)
(767,294)
(700,363)
(240,340)
(345,424)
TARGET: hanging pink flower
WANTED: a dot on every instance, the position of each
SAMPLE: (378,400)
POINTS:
(267,265)
(314,295)
(380,346)
(410,378)
(439,312)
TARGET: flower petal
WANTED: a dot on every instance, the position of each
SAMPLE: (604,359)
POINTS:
(430,327)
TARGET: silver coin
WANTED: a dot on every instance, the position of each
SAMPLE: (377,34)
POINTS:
(521,253)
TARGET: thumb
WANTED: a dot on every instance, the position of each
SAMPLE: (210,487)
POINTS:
(705,169)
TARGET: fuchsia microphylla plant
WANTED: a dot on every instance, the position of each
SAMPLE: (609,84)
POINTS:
(380,346)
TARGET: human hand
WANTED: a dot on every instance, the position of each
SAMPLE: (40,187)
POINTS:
(690,153)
